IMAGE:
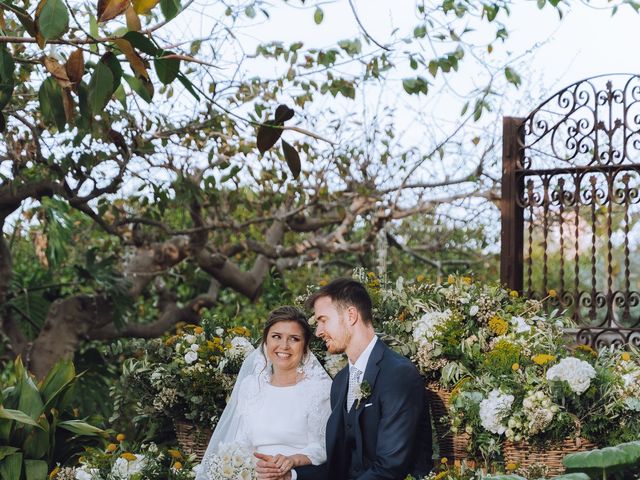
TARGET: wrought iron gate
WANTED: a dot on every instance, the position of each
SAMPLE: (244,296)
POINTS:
(570,206)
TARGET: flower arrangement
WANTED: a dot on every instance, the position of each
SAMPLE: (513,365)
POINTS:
(454,329)
(546,398)
(117,462)
(231,461)
(187,375)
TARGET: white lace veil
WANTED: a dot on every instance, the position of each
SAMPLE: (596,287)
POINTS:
(254,365)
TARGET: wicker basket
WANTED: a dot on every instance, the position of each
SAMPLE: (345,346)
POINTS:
(525,455)
(193,439)
(452,446)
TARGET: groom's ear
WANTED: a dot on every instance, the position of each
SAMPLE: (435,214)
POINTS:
(352,315)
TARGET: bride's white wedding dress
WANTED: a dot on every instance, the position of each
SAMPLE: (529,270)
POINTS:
(275,420)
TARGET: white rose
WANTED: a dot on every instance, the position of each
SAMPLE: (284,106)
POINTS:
(195,347)
(190,339)
(190,357)
(473,311)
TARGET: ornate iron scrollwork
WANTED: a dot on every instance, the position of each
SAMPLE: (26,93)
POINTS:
(578,173)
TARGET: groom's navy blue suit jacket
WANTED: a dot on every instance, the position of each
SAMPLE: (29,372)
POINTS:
(392,431)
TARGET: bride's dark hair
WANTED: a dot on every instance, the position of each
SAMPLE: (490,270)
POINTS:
(287,313)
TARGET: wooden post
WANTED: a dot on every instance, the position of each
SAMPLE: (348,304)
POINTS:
(512,234)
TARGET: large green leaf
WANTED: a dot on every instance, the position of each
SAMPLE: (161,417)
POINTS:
(36,444)
(79,427)
(7,79)
(604,459)
(35,469)
(30,400)
(573,476)
(141,87)
(167,69)
(11,467)
(53,20)
(5,451)
(170,8)
(51,105)
(141,42)
(18,416)
(57,380)
(100,88)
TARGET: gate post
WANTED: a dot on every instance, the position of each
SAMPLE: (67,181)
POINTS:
(512,233)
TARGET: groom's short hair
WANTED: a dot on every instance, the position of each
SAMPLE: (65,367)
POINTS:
(346,292)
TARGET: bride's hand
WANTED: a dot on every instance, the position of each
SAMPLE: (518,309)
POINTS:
(267,468)
(283,462)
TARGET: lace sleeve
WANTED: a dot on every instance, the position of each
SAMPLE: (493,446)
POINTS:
(317,416)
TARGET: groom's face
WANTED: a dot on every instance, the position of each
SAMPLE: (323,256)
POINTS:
(332,325)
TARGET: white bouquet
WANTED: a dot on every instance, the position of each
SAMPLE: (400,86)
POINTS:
(231,462)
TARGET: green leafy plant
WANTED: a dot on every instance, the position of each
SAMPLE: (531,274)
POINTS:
(620,461)
(35,419)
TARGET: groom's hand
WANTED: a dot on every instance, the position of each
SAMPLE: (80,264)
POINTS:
(269,467)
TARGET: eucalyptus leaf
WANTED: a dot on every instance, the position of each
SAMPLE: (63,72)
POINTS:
(51,106)
(53,19)
(100,88)
(170,8)
(7,78)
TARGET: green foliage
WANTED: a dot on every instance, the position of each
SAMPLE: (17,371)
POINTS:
(35,421)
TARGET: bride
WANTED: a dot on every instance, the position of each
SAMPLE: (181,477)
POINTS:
(280,403)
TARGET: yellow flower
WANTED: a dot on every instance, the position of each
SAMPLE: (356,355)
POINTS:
(467,280)
(177,465)
(371,275)
(451,279)
(198,330)
(514,294)
(420,278)
(111,447)
(626,356)
(587,349)
(543,358)
(171,340)
(174,454)
(120,437)
(498,325)
(322,282)
(515,367)
(553,293)
(511,466)
(441,475)
(128,456)
(444,460)
(54,472)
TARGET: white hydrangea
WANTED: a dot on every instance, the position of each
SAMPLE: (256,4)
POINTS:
(494,409)
(521,324)
(425,328)
(539,411)
(577,373)
(124,469)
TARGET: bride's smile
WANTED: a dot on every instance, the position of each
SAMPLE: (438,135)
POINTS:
(285,348)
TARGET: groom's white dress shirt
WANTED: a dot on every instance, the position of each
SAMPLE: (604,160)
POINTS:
(361,365)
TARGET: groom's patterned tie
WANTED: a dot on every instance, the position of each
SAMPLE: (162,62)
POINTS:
(354,381)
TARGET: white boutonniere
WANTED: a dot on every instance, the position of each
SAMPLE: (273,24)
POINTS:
(362,393)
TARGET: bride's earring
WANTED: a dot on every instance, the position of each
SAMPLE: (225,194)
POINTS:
(300,368)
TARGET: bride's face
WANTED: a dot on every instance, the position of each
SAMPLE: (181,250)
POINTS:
(332,325)
(285,345)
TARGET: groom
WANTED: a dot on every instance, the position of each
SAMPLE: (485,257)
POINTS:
(379,426)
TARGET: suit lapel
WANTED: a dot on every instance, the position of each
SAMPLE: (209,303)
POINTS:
(370,376)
